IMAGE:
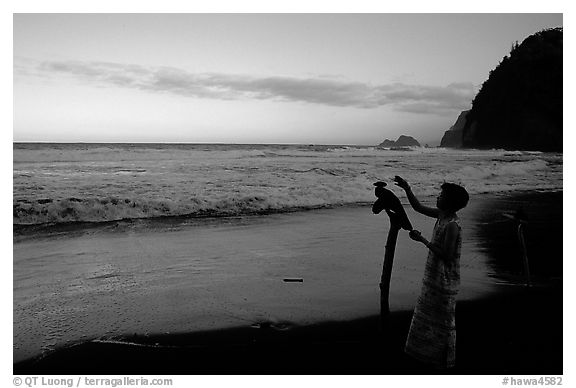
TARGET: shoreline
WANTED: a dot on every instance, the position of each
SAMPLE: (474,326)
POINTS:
(25,232)
(350,346)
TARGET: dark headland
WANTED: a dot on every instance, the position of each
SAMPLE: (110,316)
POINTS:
(519,106)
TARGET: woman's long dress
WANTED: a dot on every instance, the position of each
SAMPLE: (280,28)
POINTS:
(432,335)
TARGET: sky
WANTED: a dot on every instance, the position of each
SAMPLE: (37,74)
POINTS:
(254,78)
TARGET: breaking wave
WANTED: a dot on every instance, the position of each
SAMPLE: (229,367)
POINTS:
(70,184)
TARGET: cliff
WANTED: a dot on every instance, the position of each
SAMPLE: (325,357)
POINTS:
(520,105)
(453,137)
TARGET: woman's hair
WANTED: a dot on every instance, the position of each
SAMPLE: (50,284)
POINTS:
(456,195)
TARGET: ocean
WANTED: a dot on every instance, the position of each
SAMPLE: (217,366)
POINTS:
(94,183)
(112,240)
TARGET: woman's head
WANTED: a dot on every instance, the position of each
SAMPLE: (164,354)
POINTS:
(452,197)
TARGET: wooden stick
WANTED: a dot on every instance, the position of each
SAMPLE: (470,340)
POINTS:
(524,254)
(387,269)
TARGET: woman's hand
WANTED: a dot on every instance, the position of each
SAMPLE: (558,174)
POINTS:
(417,236)
(401,182)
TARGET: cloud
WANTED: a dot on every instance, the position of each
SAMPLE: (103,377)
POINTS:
(324,91)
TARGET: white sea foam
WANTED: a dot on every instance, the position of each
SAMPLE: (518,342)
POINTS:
(98,183)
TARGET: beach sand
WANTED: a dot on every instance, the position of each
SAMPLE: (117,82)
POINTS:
(329,322)
(516,333)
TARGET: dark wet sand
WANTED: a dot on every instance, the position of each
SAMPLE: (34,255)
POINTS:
(516,331)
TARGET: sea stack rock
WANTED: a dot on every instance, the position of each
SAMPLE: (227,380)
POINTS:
(519,107)
(407,141)
(387,144)
(453,137)
(403,141)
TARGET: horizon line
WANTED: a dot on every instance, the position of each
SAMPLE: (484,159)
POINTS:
(176,142)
